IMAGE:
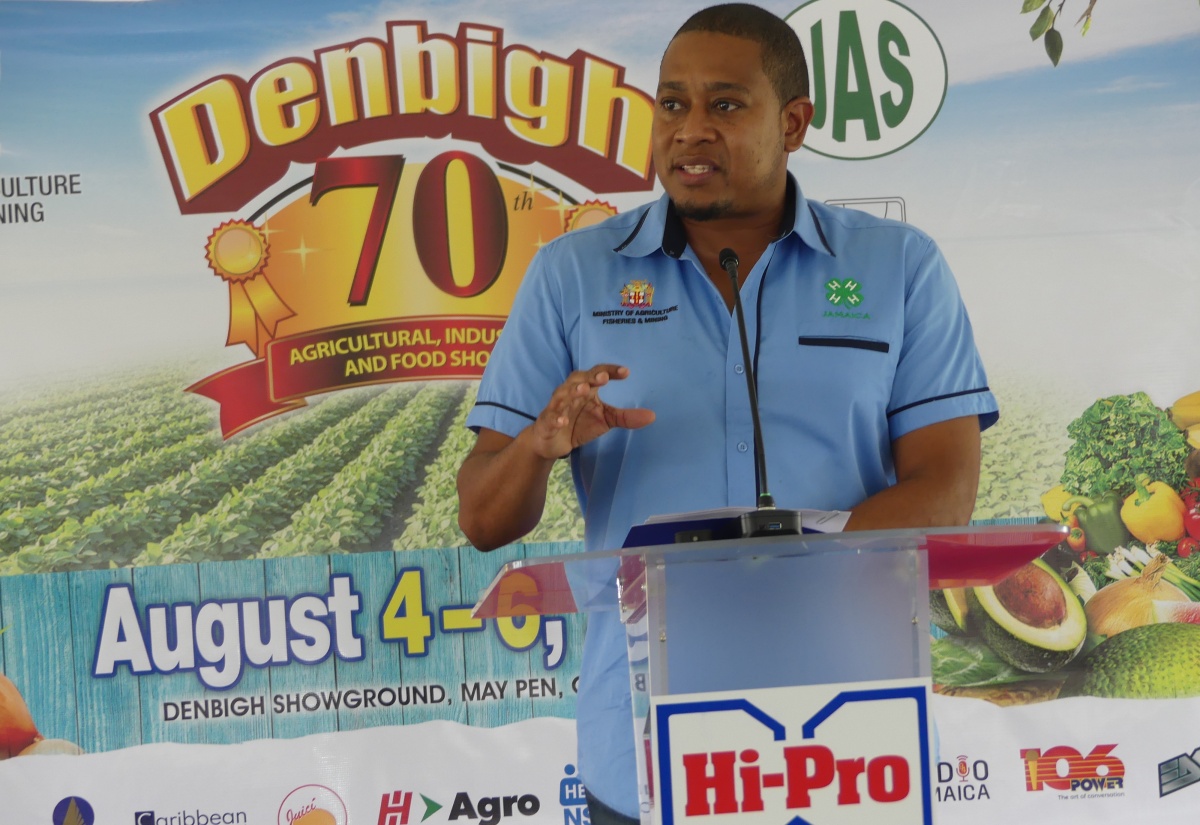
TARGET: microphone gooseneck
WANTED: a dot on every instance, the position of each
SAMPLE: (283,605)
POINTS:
(729,262)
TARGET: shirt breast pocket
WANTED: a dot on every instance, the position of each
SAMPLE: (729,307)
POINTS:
(850,374)
(845,341)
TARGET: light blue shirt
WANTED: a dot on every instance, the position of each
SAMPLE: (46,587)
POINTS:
(858,336)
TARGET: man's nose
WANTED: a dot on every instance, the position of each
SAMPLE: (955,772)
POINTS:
(697,125)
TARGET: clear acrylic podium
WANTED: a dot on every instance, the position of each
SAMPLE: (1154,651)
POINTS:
(713,621)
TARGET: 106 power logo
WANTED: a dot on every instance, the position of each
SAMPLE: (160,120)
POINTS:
(1063,768)
(963,780)
(813,755)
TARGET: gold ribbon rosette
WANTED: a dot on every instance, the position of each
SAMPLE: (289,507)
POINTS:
(237,252)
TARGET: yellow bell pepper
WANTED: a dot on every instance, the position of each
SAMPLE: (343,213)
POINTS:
(1052,502)
(1154,512)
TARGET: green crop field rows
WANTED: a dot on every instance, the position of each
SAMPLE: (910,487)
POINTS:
(109,476)
(136,473)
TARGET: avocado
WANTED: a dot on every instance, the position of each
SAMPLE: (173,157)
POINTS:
(948,609)
(1031,619)
(1154,661)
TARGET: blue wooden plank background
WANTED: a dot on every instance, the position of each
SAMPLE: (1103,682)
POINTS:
(109,709)
(54,620)
(296,577)
(47,683)
(445,662)
(227,580)
(380,667)
(168,586)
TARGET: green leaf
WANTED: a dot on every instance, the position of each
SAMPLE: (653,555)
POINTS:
(1054,44)
(959,661)
(1087,24)
(1043,22)
(1032,5)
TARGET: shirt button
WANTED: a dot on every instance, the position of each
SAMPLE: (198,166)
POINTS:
(743,446)
(738,369)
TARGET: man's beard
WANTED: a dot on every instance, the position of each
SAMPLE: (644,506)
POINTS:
(707,212)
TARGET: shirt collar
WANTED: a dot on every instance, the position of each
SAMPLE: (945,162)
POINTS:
(660,227)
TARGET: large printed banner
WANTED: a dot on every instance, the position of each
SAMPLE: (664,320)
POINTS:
(253,258)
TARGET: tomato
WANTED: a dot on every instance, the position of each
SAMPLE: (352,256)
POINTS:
(1187,546)
(1075,539)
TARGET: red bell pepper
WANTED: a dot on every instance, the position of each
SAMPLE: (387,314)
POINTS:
(1191,508)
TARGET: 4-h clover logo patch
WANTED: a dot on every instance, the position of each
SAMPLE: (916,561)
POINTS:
(843,293)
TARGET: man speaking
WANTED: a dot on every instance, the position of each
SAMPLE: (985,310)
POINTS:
(622,353)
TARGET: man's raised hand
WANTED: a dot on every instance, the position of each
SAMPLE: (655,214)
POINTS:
(576,414)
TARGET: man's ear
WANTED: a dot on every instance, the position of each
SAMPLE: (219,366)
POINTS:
(796,115)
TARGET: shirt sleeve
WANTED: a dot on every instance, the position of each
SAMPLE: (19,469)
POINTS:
(939,375)
(530,359)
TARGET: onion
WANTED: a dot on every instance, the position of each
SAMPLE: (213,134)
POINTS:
(1130,602)
(52,747)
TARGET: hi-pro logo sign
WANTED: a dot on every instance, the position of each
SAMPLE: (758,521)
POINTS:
(810,755)
(877,76)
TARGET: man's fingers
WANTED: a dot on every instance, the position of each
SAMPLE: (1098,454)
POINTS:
(602,373)
(572,399)
(631,418)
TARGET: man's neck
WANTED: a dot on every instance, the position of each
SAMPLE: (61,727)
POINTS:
(749,238)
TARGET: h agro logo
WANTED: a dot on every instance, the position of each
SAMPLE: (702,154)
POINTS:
(877,76)
(396,807)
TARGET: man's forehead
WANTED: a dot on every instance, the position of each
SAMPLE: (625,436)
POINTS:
(705,50)
(711,86)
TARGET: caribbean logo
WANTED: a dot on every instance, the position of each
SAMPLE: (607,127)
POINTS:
(348,262)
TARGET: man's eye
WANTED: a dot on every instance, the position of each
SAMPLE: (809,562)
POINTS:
(670,105)
(725,106)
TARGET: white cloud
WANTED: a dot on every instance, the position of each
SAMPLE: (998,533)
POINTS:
(1129,85)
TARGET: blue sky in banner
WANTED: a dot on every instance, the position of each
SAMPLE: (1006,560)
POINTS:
(1036,180)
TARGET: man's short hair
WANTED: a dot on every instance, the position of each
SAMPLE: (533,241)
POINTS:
(782,55)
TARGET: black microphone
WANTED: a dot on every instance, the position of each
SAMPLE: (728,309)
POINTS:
(766,520)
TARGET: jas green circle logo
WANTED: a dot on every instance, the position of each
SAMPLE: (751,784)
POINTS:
(877,72)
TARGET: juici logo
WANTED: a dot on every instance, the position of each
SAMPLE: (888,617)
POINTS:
(878,76)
